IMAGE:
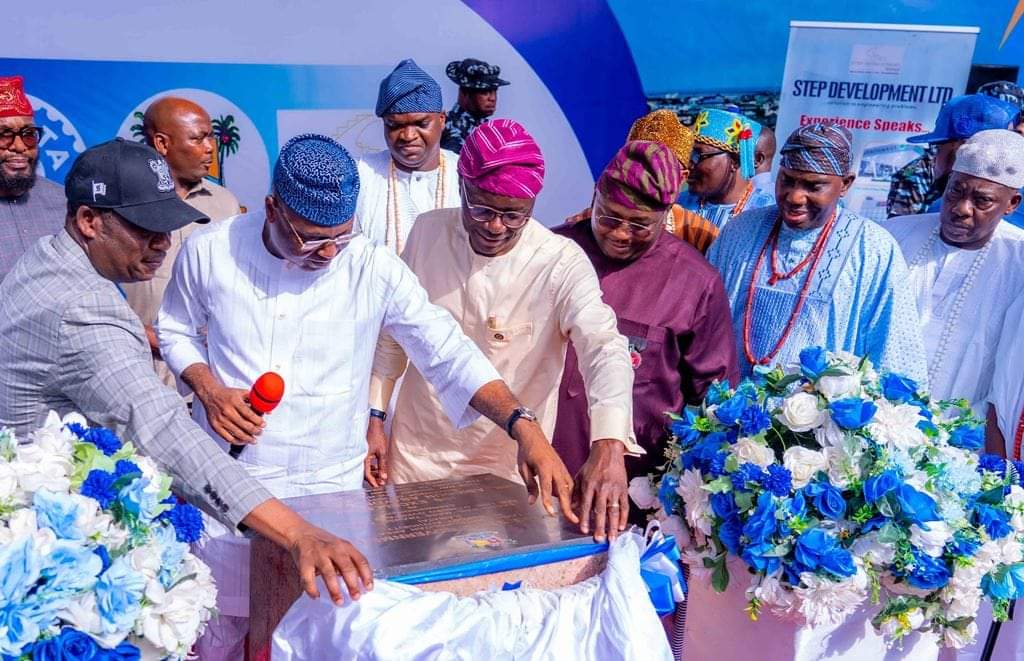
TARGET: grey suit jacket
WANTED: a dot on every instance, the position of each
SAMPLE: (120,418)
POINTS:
(69,342)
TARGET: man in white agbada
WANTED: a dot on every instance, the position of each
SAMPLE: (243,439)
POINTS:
(966,265)
(292,288)
(414,175)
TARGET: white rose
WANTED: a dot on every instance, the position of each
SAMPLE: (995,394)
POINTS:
(753,452)
(931,541)
(804,464)
(838,387)
(896,425)
(642,492)
(962,601)
(146,560)
(870,549)
(829,434)
(842,466)
(954,638)
(53,438)
(82,614)
(800,412)
(37,470)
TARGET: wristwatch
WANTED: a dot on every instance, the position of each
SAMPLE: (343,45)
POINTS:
(377,413)
(520,413)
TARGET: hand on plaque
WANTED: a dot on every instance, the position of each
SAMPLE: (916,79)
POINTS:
(375,466)
(602,491)
(542,469)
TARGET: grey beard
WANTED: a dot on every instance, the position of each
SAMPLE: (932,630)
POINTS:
(17,185)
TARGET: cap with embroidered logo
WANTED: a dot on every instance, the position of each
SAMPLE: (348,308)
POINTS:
(132,179)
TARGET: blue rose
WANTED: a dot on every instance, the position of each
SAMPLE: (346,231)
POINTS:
(963,546)
(666,492)
(996,522)
(70,645)
(798,505)
(813,361)
(729,533)
(723,505)
(915,506)
(701,455)
(1007,583)
(58,512)
(926,572)
(878,486)
(729,411)
(967,437)
(828,499)
(762,524)
(852,412)
(119,593)
(816,549)
(756,555)
(754,420)
(898,388)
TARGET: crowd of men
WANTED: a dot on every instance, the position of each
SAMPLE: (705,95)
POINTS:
(428,326)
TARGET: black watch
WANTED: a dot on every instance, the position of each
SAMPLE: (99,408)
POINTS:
(377,413)
(520,413)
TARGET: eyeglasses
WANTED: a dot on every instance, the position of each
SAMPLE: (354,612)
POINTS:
(696,157)
(484,214)
(30,136)
(317,244)
(611,223)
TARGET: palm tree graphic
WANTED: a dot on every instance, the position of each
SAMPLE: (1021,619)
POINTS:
(227,135)
(136,129)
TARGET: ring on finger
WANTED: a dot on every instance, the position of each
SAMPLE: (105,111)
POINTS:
(613,506)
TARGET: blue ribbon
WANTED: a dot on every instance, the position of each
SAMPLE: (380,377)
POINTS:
(661,571)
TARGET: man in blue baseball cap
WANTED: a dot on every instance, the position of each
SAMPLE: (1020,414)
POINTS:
(296,289)
(917,186)
(414,175)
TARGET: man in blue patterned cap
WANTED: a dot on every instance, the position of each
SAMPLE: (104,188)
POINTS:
(806,271)
(294,288)
(478,84)
(414,175)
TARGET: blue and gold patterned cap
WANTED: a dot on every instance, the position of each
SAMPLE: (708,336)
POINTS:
(731,132)
(316,178)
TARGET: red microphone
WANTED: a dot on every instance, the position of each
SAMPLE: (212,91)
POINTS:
(264,396)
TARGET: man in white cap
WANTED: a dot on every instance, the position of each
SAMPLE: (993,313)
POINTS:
(966,263)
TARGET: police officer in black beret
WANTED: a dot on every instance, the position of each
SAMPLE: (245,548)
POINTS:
(478,98)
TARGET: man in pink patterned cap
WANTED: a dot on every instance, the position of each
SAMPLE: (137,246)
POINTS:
(521,293)
(670,303)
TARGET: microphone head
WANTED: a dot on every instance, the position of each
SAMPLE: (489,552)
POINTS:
(267,392)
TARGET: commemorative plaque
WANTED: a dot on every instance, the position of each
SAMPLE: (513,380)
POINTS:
(461,535)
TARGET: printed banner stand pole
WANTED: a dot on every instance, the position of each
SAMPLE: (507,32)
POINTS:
(993,635)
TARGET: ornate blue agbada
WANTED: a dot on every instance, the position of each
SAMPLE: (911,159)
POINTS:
(858,301)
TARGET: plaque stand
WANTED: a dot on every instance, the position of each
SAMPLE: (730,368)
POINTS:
(458,535)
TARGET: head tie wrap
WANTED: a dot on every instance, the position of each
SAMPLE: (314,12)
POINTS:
(500,157)
(731,132)
(317,179)
(819,148)
(643,175)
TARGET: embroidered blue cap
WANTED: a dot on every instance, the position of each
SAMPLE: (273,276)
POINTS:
(317,179)
(963,116)
(408,89)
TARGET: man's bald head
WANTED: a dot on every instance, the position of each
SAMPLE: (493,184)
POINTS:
(764,150)
(181,131)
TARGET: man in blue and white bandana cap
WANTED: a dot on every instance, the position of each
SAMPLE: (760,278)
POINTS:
(296,289)
(414,175)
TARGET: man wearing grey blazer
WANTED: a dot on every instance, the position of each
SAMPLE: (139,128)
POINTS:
(69,342)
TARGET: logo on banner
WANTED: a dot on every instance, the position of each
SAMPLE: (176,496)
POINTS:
(60,144)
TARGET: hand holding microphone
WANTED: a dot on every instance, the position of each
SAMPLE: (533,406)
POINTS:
(264,396)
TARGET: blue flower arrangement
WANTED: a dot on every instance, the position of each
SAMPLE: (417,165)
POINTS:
(836,486)
(94,556)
